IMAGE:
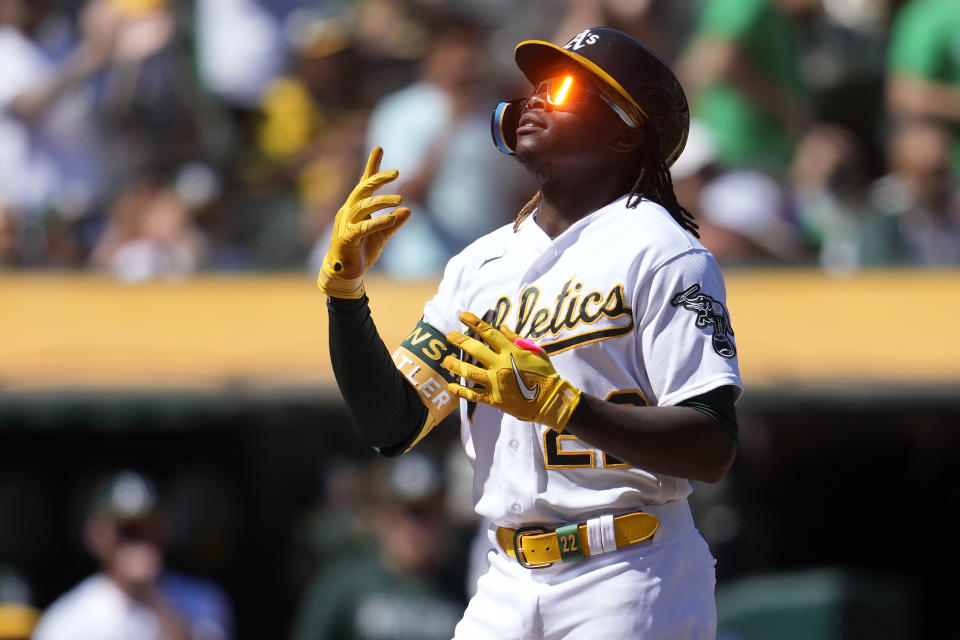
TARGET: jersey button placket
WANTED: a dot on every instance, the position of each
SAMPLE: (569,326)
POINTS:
(514,446)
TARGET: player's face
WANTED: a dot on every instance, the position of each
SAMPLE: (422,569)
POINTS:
(565,121)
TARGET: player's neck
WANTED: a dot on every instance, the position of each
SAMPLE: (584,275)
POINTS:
(565,202)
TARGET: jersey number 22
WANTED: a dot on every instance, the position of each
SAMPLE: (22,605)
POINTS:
(555,457)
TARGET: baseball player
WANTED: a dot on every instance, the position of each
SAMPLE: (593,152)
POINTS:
(587,346)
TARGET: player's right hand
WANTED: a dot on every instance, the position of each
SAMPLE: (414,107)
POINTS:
(359,238)
(514,375)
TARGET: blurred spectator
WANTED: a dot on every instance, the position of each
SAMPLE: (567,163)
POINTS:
(830,183)
(924,65)
(150,233)
(393,33)
(134,596)
(310,131)
(50,150)
(921,193)
(653,22)
(436,132)
(744,216)
(844,67)
(745,220)
(53,154)
(18,615)
(695,168)
(389,592)
(240,49)
(333,524)
(743,78)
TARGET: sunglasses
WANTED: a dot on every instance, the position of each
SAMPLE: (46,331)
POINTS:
(567,90)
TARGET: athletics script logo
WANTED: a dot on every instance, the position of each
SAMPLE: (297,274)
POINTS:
(576,316)
(709,312)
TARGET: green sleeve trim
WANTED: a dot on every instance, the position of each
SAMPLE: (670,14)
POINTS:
(718,405)
(703,408)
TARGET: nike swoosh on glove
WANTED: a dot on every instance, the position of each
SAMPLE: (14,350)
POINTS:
(516,376)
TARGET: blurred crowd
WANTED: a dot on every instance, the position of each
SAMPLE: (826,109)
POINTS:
(381,549)
(133,592)
(158,138)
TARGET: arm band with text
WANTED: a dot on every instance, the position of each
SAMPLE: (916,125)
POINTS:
(418,359)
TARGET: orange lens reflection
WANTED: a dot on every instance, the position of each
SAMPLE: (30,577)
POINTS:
(562,92)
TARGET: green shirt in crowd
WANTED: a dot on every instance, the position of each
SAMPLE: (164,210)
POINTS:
(359,599)
(745,134)
(925,43)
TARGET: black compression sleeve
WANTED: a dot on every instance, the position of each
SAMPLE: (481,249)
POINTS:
(386,410)
(718,404)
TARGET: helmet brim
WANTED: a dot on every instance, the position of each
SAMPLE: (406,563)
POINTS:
(536,58)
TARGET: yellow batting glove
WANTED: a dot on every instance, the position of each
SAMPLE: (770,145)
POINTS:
(359,238)
(516,376)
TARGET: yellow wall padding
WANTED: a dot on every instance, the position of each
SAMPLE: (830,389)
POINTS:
(792,328)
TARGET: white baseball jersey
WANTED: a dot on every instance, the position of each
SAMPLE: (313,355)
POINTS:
(629,307)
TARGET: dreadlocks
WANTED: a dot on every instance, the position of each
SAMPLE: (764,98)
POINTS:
(653,183)
(527,209)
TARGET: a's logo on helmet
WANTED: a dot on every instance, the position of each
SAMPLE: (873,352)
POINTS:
(582,39)
(709,312)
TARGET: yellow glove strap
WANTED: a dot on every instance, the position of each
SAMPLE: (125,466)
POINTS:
(559,406)
(337,286)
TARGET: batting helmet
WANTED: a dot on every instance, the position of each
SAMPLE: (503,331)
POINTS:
(637,76)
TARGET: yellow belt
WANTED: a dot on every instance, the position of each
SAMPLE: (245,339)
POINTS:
(539,547)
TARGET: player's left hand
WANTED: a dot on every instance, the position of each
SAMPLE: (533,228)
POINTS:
(358,237)
(516,376)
